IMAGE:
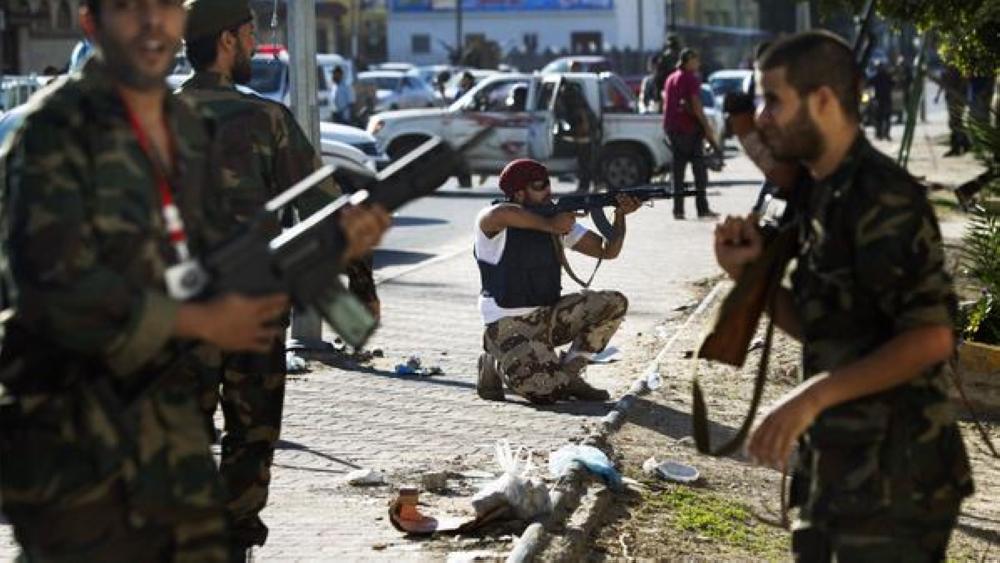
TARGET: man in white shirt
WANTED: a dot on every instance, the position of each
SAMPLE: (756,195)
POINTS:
(341,97)
(518,248)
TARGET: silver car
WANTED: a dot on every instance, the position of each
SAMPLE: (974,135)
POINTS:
(397,90)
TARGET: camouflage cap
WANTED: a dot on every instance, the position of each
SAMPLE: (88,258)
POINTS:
(210,17)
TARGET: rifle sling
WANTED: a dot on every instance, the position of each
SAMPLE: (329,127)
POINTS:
(561,254)
(699,413)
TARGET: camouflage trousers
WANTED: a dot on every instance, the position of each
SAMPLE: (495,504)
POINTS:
(524,346)
(73,490)
(917,534)
(252,396)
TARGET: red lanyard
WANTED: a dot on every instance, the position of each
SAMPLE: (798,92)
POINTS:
(171,215)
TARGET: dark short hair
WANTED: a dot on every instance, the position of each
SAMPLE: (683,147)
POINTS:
(93,5)
(203,51)
(686,55)
(799,54)
(761,48)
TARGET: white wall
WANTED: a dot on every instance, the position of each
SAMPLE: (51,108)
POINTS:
(554,28)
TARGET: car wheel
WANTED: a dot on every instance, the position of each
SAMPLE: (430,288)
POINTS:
(623,166)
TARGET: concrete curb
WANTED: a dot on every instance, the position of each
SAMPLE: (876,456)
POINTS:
(573,485)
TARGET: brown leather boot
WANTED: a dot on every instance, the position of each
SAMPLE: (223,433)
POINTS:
(489,386)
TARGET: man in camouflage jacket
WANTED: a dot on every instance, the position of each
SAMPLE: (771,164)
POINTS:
(882,468)
(94,465)
(261,151)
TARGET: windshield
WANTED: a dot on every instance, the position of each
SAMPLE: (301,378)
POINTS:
(723,86)
(267,75)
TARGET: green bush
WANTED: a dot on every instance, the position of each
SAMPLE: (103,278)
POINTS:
(981,253)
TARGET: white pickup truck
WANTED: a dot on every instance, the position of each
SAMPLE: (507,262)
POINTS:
(632,146)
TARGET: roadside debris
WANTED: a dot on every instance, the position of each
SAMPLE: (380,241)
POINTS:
(607,356)
(524,497)
(365,478)
(670,470)
(593,459)
(295,363)
(414,366)
(437,481)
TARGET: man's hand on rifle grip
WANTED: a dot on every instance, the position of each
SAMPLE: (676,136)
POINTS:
(737,243)
(363,227)
(626,205)
(234,323)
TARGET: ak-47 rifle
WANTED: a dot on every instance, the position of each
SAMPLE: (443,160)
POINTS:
(739,315)
(596,202)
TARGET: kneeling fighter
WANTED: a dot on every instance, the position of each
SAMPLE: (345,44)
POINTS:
(519,249)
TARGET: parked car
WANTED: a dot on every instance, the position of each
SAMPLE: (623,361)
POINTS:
(732,80)
(400,67)
(356,138)
(397,90)
(15,90)
(578,63)
(632,145)
(713,111)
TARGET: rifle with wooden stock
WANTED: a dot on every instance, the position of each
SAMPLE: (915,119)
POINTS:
(729,339)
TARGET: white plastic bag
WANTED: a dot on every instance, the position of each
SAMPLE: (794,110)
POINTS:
(526,497)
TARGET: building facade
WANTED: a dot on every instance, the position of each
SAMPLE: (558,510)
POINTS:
(36,35)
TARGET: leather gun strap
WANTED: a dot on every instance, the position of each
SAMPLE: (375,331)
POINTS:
(561,255)
(699,413)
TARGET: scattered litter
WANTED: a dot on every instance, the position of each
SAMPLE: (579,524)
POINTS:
(649,466)
(365,478)
(608,355)
(295,363)
(688,354)
(406,517)
(686,306)
(414,366)
(634,485)
(378,353)
(671,470)
(525,497)
(380,546)
(686,441)
(653,380)
(756,345)
(591,458)
(434,481)
(679,472)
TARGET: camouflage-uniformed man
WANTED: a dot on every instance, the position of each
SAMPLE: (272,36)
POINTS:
(519,253)
(261,152)
(94,464)
(882,467)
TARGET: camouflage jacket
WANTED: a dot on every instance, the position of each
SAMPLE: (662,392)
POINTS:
(85,251)
(261,152)
(870,266)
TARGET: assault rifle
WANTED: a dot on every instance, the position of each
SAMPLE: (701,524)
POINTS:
(596,202)
(305,260)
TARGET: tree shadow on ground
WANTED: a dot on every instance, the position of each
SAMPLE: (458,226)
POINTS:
(407,221)
(677,424)
(295,446)
(385,257)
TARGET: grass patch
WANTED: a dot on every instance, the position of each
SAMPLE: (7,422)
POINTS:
(714,518)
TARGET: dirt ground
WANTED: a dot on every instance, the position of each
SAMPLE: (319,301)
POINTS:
(733,511)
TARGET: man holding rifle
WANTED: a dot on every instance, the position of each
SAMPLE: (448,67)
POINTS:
(882,469)
(104,200)
(260,151)
(519,251)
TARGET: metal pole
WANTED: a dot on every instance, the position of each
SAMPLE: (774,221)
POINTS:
(673,15)
(458,32)
(642,44)
(307,329)
(355,25)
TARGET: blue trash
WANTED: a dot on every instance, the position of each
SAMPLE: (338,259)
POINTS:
(590,457)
